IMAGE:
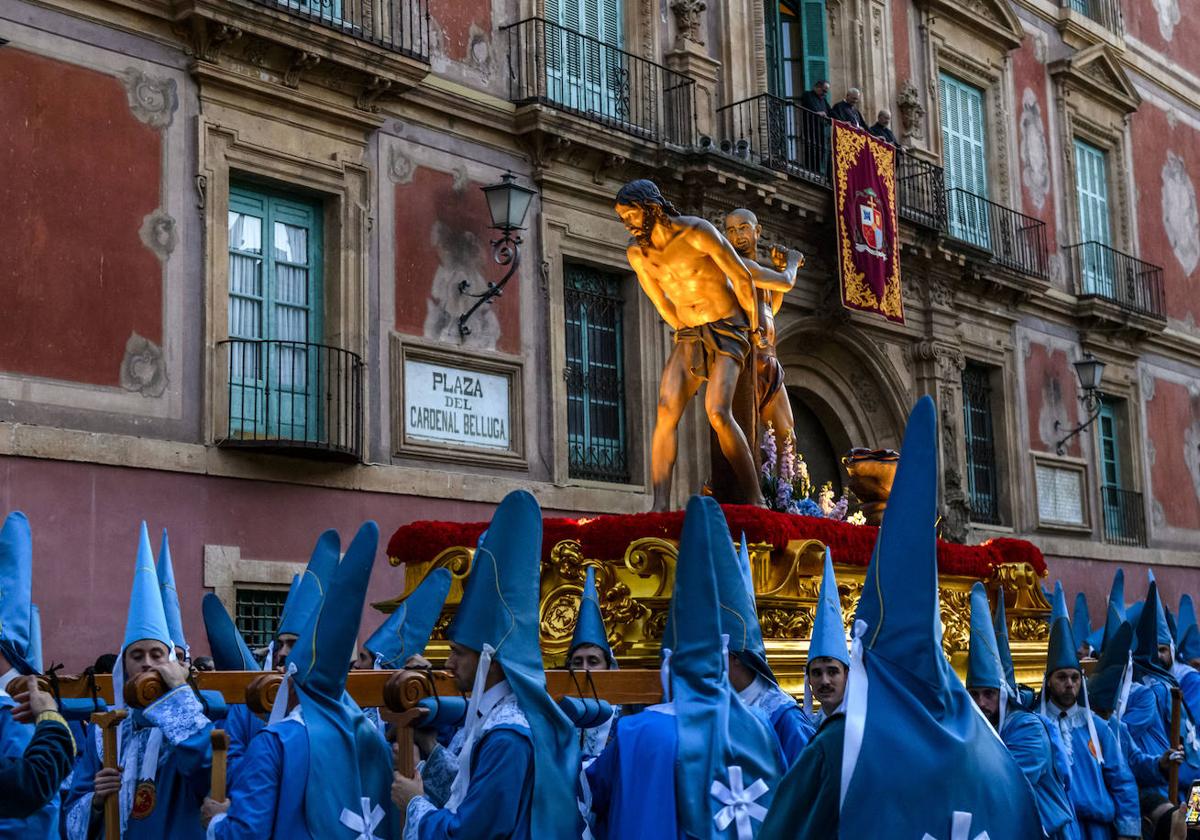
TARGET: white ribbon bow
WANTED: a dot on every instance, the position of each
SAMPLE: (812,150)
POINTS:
(365,822)
(740,803)
(960,829)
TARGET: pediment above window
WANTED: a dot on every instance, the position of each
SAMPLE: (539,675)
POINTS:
(993,20)
(1097,74)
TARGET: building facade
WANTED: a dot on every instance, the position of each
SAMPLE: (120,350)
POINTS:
(243,234)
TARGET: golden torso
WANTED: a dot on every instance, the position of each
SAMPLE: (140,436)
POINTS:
(699,290)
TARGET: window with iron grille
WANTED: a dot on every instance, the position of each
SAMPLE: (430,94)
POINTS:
(257,613)
(595,375)
(982,473)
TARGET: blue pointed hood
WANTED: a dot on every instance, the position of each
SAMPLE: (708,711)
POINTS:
(908,716)
(829,631)
(345,751)
(1188,633)
(170,595)
(1081,622)
(983,661)
(1000,625)
(589,622)
(499,608)
(303,600)
(35,639)
(1107,681)
(739,613)
(16,590)
(406,631)
(1147,638)
(146,618)
(229,649)
(718,736)
(1162,627)
(1114,617)
(1061,651)
(1058,604)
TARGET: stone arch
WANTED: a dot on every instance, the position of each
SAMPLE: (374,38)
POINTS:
(845,381)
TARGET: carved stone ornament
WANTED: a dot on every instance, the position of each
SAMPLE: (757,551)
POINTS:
(143,369)
(400,167)
(158,234)
(689,21)
(152,100)
(912,112)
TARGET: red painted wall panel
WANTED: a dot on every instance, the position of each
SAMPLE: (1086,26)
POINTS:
(900,29)
(1032,132)
(443,235)
(80,175)
(1166,160)
(1168,417)
(455,18)
(1051,394)
(1170,27)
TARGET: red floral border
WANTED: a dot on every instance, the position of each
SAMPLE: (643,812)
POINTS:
(606,537)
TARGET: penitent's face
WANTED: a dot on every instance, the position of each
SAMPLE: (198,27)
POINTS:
(589,658)
(827,681)
(143,655)
(1063,686)
(988,701)
(462,662)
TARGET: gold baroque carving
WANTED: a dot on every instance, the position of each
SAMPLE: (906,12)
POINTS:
(955,609)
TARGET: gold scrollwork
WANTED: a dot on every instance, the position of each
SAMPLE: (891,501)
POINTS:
(1029,629)
(955,610)
(655,558)
(849,593)
(783,623)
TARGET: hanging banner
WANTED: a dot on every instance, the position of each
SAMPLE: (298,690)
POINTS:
(868,233)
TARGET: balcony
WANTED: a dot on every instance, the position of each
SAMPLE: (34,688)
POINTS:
(1107,13)
(400,26)
(580,75)
(778,134)
(292,397)
(1124,516)
(921,188)
(1008,238)
(1105,274)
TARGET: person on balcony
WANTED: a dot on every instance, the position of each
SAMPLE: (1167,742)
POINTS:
(847,110)
(882,129)
(814,126)
(817,99)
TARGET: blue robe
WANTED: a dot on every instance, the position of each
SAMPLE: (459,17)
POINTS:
(1105,795)
(1143,765)
(793,729)
(1189,771)
(807,803)
(499,800)
(14,737)
(633,780)
(241,725)
(267,797)
(1030,741)
(182,776)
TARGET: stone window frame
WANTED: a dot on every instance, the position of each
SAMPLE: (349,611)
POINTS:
(1103,120)
(225,569)
(645,353)
(1005,432)
(995,80)
(344,190)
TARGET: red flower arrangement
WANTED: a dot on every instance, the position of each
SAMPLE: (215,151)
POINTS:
(606,537)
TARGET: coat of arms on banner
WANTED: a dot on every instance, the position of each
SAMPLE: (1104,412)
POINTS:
(869,235)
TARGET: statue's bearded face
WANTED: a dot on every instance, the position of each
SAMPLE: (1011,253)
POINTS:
(639,221)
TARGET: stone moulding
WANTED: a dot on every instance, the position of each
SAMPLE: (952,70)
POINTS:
(635,593)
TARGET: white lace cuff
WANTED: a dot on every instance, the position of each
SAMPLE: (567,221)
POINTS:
(178,714)
(79,818)
(211,834)
(418,808)
(438,774)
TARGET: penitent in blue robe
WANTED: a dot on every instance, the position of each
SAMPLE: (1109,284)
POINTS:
(267,797)
(14,737)
(633,781)
(791,726)
(498,804)
(1105,795)
(1032,745)
(241,725)
(181,780)
(1189,736)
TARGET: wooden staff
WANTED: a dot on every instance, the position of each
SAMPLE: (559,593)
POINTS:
(1173,773)
(220,748)
(108,721)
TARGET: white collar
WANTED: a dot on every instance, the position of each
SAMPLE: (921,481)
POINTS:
(8,676)
(752,693)
(1073,712)
(1180,669)
(492,697)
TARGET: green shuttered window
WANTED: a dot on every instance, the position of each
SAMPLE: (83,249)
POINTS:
(797,47)
(582,73)
(1091,177)
(595,344)
(964,153)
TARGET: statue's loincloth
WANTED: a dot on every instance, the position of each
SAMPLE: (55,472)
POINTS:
(727,337)
(769,379)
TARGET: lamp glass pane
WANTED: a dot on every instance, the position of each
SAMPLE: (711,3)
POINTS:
(1090,372)
(497,199)
(518,205)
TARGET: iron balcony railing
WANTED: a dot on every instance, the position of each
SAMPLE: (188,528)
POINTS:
(1011,239)
(922,191)
(401,26)
(1103,272)
(567,70)
(779,134)
(1107,13)
(292,396)
(1124,516)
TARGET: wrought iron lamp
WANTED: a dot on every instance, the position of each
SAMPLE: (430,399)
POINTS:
(508,202)
(1090,371)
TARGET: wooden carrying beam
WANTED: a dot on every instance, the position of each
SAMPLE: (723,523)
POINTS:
(395,690)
